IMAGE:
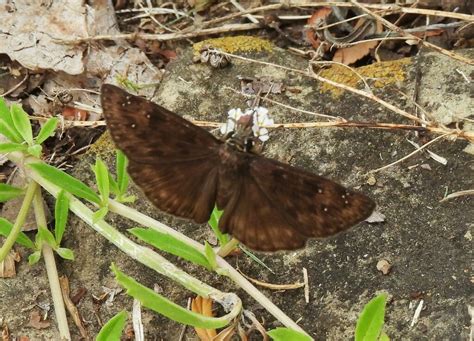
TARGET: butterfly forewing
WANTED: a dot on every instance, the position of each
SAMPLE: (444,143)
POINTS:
(170,159)
(185,171)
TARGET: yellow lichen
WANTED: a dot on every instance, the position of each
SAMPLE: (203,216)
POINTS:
(104,145)
(235,44)
(378,75)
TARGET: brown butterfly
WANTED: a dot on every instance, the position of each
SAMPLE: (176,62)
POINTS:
(184,170)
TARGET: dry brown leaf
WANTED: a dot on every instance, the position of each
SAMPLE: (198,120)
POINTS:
(73,114)
(203,306)
(7,266)
(226,334)
(351,54)
(5,333)
(36,322)
(319,14)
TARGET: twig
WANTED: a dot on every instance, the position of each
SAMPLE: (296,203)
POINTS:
(409,155)
(392,8)
(271,285)
(17,85)
(266,99)
(411,36)
(165,36)
(432,127)
(241,9)
(457,194)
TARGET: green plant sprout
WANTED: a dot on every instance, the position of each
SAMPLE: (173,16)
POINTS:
(371,320)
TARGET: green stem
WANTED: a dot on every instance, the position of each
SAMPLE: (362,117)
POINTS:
(20,220)
(228,247)
(52,272)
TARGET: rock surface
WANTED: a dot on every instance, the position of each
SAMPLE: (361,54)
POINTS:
(423,239)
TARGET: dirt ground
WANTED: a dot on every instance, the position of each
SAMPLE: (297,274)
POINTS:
(428,243)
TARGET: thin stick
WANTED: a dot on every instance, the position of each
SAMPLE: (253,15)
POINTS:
(409,155)
(391,8)
(411,36)
(165,36)
(457,194)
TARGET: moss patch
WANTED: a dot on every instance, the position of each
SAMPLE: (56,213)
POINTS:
(236,44)
(378,75)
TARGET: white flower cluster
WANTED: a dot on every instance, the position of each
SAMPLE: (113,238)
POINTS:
(260,118)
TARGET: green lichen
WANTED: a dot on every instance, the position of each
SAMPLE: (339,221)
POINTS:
(378,75)
(235,44)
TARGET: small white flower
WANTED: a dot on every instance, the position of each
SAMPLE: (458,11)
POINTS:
(234,114)
(227,127)
(260,119)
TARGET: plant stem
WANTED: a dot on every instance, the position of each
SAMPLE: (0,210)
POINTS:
(231,302)
(229,271)
(20,220)
(52,272)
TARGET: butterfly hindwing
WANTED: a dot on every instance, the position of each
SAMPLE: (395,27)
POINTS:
(272,206)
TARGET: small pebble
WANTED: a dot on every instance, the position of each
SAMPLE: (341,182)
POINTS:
(384,266)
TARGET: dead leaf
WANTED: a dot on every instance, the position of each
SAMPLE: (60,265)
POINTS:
(7,266)
(36,322)
(203,306)
(73,114)
(5,333)
(319,15)
(226,334)
(351,54)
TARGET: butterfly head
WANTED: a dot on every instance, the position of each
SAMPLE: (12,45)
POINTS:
(244,129)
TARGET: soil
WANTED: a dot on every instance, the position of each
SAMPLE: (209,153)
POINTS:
(428,243)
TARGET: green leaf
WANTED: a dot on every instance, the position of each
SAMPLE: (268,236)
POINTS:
(122,176)
(150,299)
(34,257)
(21,121)
(47,130)
(112,330)
(113,185)
(9,132)
(45,236)
(61,210)
(214,223)
(371,320)
(128,198)
(102,179)
(35,150)
(65,253)
(6,228)
(8,192)
(210,255)
(99,214)
(170,244)
(65,181)
(384,337)
(284,334)
(255,258)
(6,123)
(11,147)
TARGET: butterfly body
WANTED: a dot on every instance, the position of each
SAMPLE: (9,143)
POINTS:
(185,171)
